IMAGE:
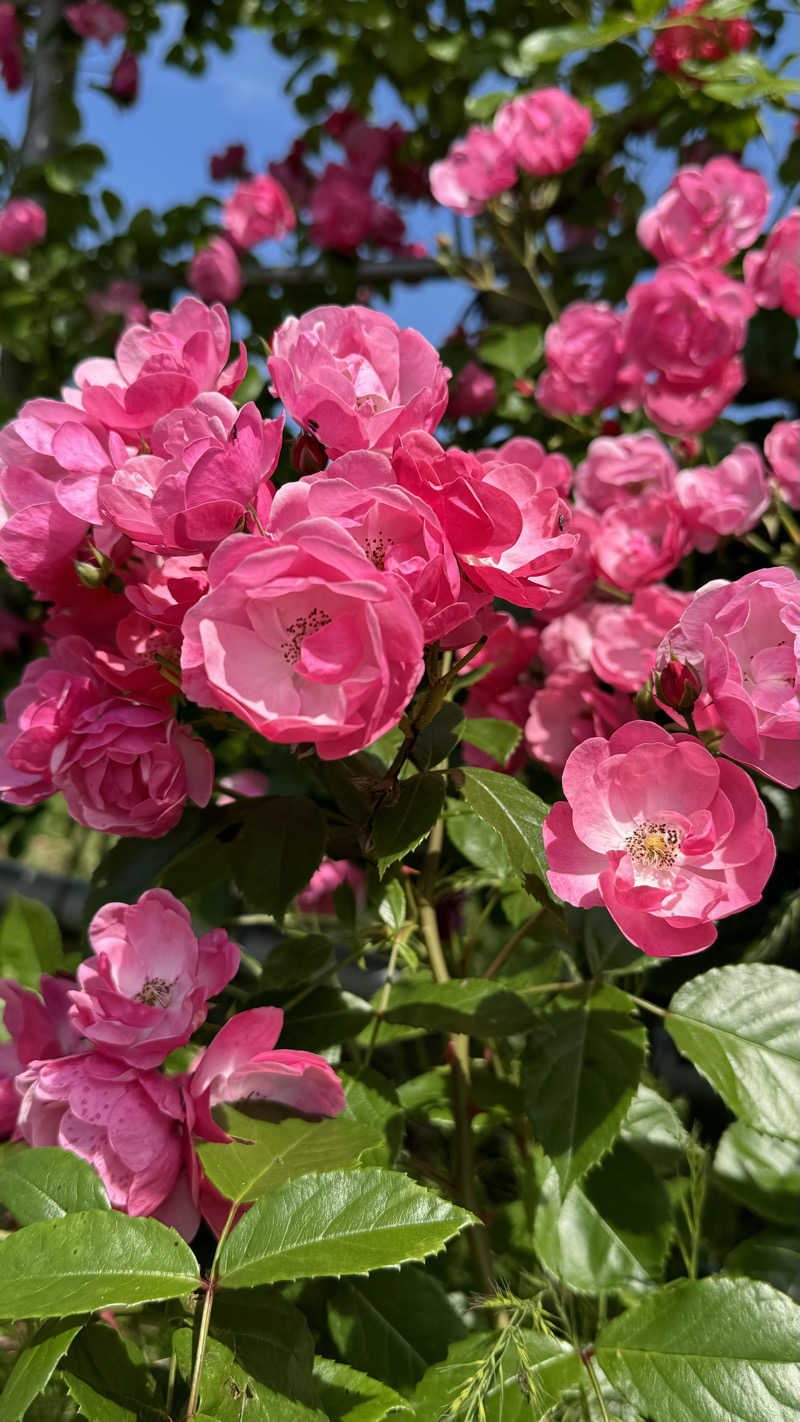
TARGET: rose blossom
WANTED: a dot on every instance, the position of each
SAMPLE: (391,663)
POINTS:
(553,471)
(585,351)
(687,326)
(473,392)
(250,783)
(726,500)
(124,83)
(231,163)
(627,636)
(743,639)
(771,275)
(569,708)
(782,448)
(640,542)
(544,131)
(37,1027)
(706,215)
(23,223)
(95,21)
(145,991)
(341,209)
(707,38)
(304,639)
(38,538)
(215,274)
(259,208)
(504,691)
(566,642)
(622,467)
(10,49)
(662,833)
(476,168)
(119,298)
(353,378)
(317,896)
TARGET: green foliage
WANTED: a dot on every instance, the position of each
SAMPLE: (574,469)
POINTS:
(30,942)
(514,812)
(35,1366)
(403,821)
(350,1396)
(278,850)
(488,1368)
(49,1183)
(266,1154)
(395,1323)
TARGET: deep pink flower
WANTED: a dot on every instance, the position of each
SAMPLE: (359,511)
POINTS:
(231,163)
(782,448)
(627,635)
(341,209)
(544,131)
(317,896)
(640,542)
(37,1027)
(215,274)
(10,49)
(724,501)
(706,215)
(353,378)
(258,209)
(568,709)
(667,837)
(508,653)
(570,583)
(124,83)
(304,639)
(476,168)
(553,471)
(686,326)
(12,630)
(293,173)
(622,467)
(243,1064)
(771,275)
(743,639)
(23,223)
(92,20)
(707,38)
(38,538)
(473,392)
(566,642)
(585,351)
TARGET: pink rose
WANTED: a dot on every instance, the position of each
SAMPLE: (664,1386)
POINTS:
(120,298)
(619,468)
(292,172)
(242,1064)
(38,538)
(11,59)
(473,392)
(569,708)
(127,1123)
(508,653)
(215,274)
(585,351)
(37,1027)
(640,542)
(687,325)
(124,83)
(706,38)
(145,991)
(304,638)
(258,209)
(553,471)
(627,636)
(317,897)
(706,215)
(743,640)
(341,210)
(23,223)
(725,501)
(771,275)
(95,21)
(782,448)
(476,168)
(231,163)
(250,783)
(566,642)
(544,131)
(569,584)
(353,378)
(667,837)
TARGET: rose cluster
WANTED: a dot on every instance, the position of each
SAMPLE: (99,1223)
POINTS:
(84,1064)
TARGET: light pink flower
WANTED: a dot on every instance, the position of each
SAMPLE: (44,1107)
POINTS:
(619,468)
(686,326)
(544,131)
(566,642)
(341,208)
(38,538)
(304,639)
(258,209)
(476,168)
(743,639)
(95,21)
(667,837)
(585,352)
(771,275)
(707,38)
(706,215)
(569,584)
(23,223)
(317,896)
(473,392)
(627,635)
(120,298)
(215,274)
(568,709)
(353,378)
(553,471)
(782,448)
(243,1064)
(725,501)
(250,783)
(37,1027)
(127,1123)
(145,991)
(640,542)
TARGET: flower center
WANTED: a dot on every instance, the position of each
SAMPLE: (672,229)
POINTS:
(376,548)
(155,992)
(654,846)
(299,629)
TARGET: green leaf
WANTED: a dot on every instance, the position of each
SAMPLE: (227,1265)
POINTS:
(439,738)
(96,1259)
(773,1255)
(706,1352)
(396,1323)
(278,850)
(374,1104)
(326,1017)
(551,1369)
(340,1222)
(499,739)
(403,821)
(740,1026)
(612,1232)
(281,1151)
(515,812)
(295,960)
(47,1183)
(761,1172)
(229,1393)
(270,1339)
(653,1127)
(349,1396)
(105,1375)
(35,1366)
(478,842)
(581,1067)
(513,348)
(479,1006)
(134,865)
(30,942)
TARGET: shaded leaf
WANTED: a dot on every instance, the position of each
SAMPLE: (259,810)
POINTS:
(436,741)
(499,739)
(481,1006)
(326,1017)
(478,842)
(229,1393)
(773,1256)
(269,1338)
(35,1366)
(761,1172)
(279,849)
(402,822)
(105,1375)
(350,1396)
(394,1323)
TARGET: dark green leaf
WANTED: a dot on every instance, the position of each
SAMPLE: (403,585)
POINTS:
(35,1366)
(47,1183)
(134,865)
(404,820)
(229,1393)
(478,843)
(396,1323)
(280,847)
(773,1255)
(478,1006)
(270,1340)
(30,942)
(349,1396)
(761,1172)
(105,1375)
(550,1369)
(515,812)
(374,1104)
(439,738)
(326,1017)
(295,960)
